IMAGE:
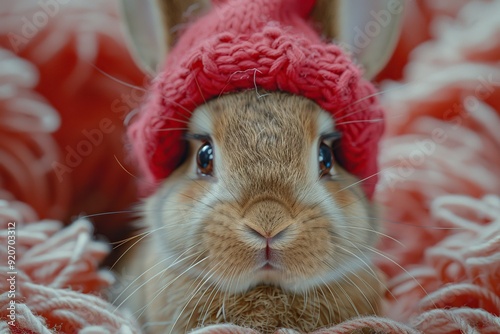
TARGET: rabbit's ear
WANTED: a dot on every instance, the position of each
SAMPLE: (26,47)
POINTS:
(152,25)
(369,29)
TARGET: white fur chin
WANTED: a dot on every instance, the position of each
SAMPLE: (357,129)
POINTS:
(259,278)
(339,275)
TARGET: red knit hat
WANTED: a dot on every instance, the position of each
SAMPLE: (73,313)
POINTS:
(268,43)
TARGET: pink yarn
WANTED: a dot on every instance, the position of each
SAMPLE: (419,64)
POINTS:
(267,44)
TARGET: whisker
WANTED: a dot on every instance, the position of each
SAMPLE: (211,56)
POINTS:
(330,314)
(122,167)
(185,121)
(154,276)
(171,129)
(398,265)
(427,226)
(199,90)
(198,201)
(244,269)
(374,231)
(211,287)
(369,271)
(366,178)
(333,295)
(189,112)
(369,97)
(348,297)
(116,79)
(144,235)
(122,242)
(217,287)
(343,290)
(162,289)
(106,214)
(200,285)
(374,120)
(360,290)
(117,244)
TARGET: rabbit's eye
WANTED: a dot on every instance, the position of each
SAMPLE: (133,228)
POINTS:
(325,158)
(205,159)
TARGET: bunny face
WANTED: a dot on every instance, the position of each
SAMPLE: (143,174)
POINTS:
(267,211)
(260,208)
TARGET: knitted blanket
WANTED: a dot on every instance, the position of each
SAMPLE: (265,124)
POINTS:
(67,85)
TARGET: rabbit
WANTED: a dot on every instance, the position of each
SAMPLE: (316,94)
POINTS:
(263,222)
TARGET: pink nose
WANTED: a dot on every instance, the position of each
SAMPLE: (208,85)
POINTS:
(271,235)
(268,236)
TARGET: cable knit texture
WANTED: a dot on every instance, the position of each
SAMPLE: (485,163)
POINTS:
(269,44)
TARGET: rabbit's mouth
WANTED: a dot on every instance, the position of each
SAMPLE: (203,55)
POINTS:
(268,266)
(270,275)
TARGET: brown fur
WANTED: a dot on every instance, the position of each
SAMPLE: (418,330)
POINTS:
(322,14)
(201,263)
(176,13)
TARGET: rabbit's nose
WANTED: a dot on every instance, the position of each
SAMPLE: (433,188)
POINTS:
(270,239)
(268,219)
(274,235)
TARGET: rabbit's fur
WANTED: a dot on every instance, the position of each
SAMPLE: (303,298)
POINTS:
(202,262)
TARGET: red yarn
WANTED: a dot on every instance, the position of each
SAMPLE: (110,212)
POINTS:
(270,44)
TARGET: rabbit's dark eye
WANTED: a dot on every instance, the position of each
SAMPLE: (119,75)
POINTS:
(205,159)
(325,158)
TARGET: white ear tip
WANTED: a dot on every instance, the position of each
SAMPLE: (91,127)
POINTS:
(369,29)
(145,33)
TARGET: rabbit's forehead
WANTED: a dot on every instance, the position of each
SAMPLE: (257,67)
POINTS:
(256,123)
(264,138)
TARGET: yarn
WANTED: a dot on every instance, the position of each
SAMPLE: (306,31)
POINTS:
(61,82)
(56,277)
(247,44)
(27,148)
(441,144)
